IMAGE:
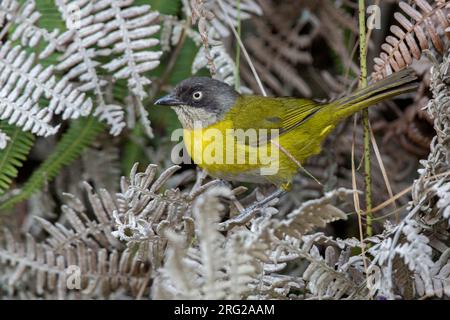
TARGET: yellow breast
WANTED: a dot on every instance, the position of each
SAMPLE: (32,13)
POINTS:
(234,154)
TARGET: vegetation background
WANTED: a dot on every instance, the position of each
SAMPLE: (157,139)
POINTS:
(368,218)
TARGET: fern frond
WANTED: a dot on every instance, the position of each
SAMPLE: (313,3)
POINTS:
(129,30)
(94,234)
(95,273)
(79,59)
(7,9)
(145,209)
(14,153)
(20,89)
(80,134)
(410,39)
(28,32)
(279,47)
(329,277)
(214,269)
(440,278)
(24,80)
(244,10)
(312,214)
(416,252)
(225,66)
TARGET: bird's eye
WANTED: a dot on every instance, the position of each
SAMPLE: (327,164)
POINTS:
(197,95)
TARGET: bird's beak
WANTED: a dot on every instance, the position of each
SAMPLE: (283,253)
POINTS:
(169,100)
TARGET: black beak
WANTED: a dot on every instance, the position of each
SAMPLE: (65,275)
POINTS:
(169,100)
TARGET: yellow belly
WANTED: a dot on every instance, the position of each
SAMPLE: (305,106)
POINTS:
(217,150)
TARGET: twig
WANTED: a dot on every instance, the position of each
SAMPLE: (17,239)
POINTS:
(237,84)
(383,171)
(199,12)
(244,50)
(365,120)
(357,205)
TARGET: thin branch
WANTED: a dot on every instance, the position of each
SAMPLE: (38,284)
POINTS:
(366,136)
(244,50)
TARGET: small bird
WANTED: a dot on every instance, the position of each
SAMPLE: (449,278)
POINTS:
(206,107)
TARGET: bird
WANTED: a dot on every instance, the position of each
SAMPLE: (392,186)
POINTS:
(208,108)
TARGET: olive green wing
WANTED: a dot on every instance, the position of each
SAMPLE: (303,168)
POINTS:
(282,114)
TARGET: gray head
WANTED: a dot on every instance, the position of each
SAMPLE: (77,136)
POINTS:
(200,101)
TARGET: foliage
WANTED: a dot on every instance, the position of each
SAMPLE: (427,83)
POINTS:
(77,83)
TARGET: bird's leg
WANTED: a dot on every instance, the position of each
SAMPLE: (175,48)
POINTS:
(259,204)
(233,199)
(249,212)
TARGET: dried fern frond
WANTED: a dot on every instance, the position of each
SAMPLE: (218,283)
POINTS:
(90,245)
(92,273)
(338,274)
(129,31)
(235,11)
(145,211)
(26,18)
(410,39)
(312,214)
(416,251)
(22,83)
(39,82)
(216,268)
(7,9)
(223,63)
(330,277)
(138,215)
(437,162)
(440,277)
(95,233)
(279,46)
(79,59)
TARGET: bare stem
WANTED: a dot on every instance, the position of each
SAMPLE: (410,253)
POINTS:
(244,50)
(365,120)
(238,49)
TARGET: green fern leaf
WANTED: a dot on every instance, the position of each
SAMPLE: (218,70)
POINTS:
(169,7)
(74,141)
(15,153)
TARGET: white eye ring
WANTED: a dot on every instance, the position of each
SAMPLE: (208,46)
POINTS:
(197,95)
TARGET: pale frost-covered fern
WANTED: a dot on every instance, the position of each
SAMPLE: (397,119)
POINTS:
(79,60)
(443,192)
(235,10)
(313,214)
(22,83)
(131,30)
(27,31)
(214,269)
(225,66)
(406,255)
(117,28)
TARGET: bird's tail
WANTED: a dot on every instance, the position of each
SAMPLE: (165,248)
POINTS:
(400,82)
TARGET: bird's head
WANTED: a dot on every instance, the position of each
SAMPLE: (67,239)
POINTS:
(200,101)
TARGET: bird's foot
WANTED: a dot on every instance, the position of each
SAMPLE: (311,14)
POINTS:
(248,213)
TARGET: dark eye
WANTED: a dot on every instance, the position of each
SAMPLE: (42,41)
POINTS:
(197,95)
